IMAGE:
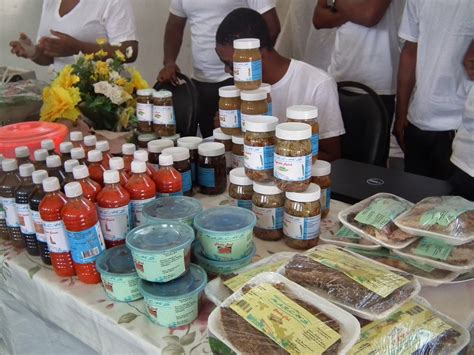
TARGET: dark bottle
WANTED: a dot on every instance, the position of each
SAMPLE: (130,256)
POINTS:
(3,224)
(35,199)
(22,155)
(40,159)
(8,186)
(79,154)
(22,205)
(68,166)
(48,144)
(54,168)
(65,150)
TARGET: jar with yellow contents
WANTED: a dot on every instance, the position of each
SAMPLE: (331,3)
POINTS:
(247,63)
(254,103)
(307,114)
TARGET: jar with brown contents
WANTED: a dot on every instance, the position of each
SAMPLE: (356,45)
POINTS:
(268,90)
(144,139)
(267,204)
(212,175)
(247,63)
(292,168)
(164,122)
(240,188)
(302,218)
(259,147)
(254,103)
(237,151)
(192,144)
(307,114)
(155,148)
(182,163)
(144,110)
(321,176)
(229,109)
(225,139)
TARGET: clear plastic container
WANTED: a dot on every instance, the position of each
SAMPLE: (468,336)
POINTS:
(254,103)
(306,114)
(192,144)
(267,204)
(164,122)
(247,63)
(180,209)
(343,236)
(240,188)
(229,110)
(212,171)
(182,163)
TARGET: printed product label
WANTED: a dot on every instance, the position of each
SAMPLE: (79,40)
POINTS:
(160,267)
(248,71)
(447,213)
(302,228)
(144,112)
(27,225)
(179,193)
(325,198)
(206,177)
(244,204)
(114,222)
(163,115)
(268,218)
(136,206)
(270,109)
(228,247)
(39,229)
(416,264)
(373,277)
(229,118)
(315,144)
(11,216)
(381,212)
(121,288)
(187,180)
(259,158)
(173,312)
(86,245)
(243,118)
(236,282)
(284,321)
(435,249)
(237,161)
(346,233)
(56,237)
(292,168)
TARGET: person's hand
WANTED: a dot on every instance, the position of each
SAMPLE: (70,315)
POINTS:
(468,61)
(168,74)
(62,45)
(401,123)
(23,47)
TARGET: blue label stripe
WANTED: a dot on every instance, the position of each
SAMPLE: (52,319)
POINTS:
(187,181)
(315,144)
(256,70)
(206,177)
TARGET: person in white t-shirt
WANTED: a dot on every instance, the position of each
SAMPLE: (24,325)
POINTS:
(68,27)
(430,93)
(208,73)
(293,82)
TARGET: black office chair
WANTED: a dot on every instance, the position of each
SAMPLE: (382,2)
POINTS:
(366,122)
(185,101)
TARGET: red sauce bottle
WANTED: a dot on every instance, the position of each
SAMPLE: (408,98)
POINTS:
(142,155)
(142,190)
(54,168)
(79,154)
(113,201)
(127,153)
(118,164)
(90,188)
(40,159)
(89,143)
(96,169)
(65,150)
(35,200)
(76,139)
(50,213)
(168,180)
(104,148)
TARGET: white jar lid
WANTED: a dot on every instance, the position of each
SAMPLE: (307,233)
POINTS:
(190,142)
(145,92)
(165,159)
(26,169)
(237,176)
(22,152)
(162,94)
(93,156)
(292,131)
(312,193)
(266,188)
(51,184)
(70,164)
(266,87)
(253,95)
(116,163)
(321,168)
(229,91)
(39,176)
(78,153)
(53,161)
(65,147)
(302,112)
(218,134)
(80,172)
(138,166)
(211,149)
(238,139)
(9,165)
(103,146)
(111,177)
(261,123)
(246,43)
(128,148)
(47,144)
(89,141)
(40,154)
(73,189)
(75,136)
(178,153)
(140,155)
(174,137)
(157,145)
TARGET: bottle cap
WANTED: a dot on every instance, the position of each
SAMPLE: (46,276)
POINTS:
(229,91)
(237,176)
(73,189)
(293,131)
(302,112)
(312,193)
(218,134)
(22,152)
(138,166)
(128,148)
(78,153)
(157,145)
(141,155)
(53,161)
(89,141)
(51,184)
(238,139)
(40,154)
(116,163)
(266,188)
(80,172)
(94,156)
(65,147)
(191,143)
(261,123)
(246,43)
(70,164)
(9,165)
(178,153)
(165,159)
(145,92)
(39,176)
(47,144)
(162,94)
(266,87)
(211,149)
(26,169)
(253,95)
(102,146)
(75,136)
(321,168)
(111,177)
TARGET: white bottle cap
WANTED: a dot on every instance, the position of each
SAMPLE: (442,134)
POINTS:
(246,43)
(141,155)
(53,161)
(26,169)
(191,143)
(229,91)
(89,141)
(39,176)
(321,168)
(138,167)
(73,189)
(165,159)
(158,145)
(162,94)
(47,144)
(266,188)
(94,156)
(116,163)
(237,176)
(211,149)
(218,134)
(293,131)
(238,139)
(111,177)
(145,92)
(253,95)
(128,148)
(178,153)
(70,164)
(312,193)
(103,146)
(78,153)
(261,123)
(75,136)
(80,172)
(40,154)
(9,165)
(65,147)
(22,152)
(266,87)
(51,184)
(302,112)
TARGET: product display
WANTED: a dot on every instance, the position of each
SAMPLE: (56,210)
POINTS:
(237,151)
(212,171)
(267,204)
(240,188)
(229,110)
(192,144)
(182,163)
(320,175)
(221,137)
(144,111)
(180,209)
(247,63)
(164,122)
(307,114)
(254,103)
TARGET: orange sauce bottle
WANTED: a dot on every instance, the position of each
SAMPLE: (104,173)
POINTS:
(118,164)
(127,154)
(103,146)
(168,180)
(96,168)
(142,155)
(89,143)
(90,188)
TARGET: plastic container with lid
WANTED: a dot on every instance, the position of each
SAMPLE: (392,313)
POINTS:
(161,251)
(68,166)
(292,168)
(35,199)
(237,151)
(40,159)
(180,209)
(174,138)
(55,168)
(65,150)
(144,139)
(117,163)
(254,103)
(22,155)
(90,188)
(96,167)
(89,142)
(155,148)
(247,63)
(103,146)
(268,90)
(144,111)
(229,109)
(259,147)
(79,154)
(22,195)
(76,138)
(164,121)
(127,154)
(175,303)
(221,137)
(302,218)
(182,163)
(48,144)
(142,155)
(240,188)
(168,180)
(268,204)
(118,274)
(192,144)
(225,233)
(307,114)
(8,186)
(321,176)
(212,171)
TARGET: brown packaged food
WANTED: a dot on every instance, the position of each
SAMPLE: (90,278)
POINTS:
(229,110)
(164,122)
(267,204)
(145,110)
(212,172)
(240,188)
(254,103)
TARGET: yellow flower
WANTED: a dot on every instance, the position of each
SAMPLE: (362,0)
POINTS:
(137,80)
(128,88)
(59,103)
(101,41)
(88,57)
(121,82)
(120,56)
(101,54)
(124,117)
(101,68)
(66,79)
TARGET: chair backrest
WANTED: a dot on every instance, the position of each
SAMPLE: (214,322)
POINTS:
(366,123)
(185,102)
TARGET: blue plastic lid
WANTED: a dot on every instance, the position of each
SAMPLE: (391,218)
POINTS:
(191,282)
(172,208)
(116,260)
(225,219)
(160,237)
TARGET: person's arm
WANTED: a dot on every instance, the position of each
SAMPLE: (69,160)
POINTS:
(24,48)
(469,61)
(330,149)
(325,17)
(273,24)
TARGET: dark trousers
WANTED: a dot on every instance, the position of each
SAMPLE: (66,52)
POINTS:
(463,184)
(208,104)
(428,153)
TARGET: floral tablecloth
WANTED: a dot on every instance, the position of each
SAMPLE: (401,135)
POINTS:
(68,308)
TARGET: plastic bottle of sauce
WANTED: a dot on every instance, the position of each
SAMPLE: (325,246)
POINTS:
(127,153)
(79,154)
(65,150)
(96,169)
(168,180)
(113,201)
(76,139)
(8,186)
(83,232)
(22,155)
(50,212)
(35,199)
(54,168)
(142,190)
(68,166)
(22,195)
(103,146)
(90,188)
(142,155)
(3,224)
(48,144)
(117,163)
(40,159)
(89,143)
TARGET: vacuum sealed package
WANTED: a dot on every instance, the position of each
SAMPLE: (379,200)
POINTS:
(345,237)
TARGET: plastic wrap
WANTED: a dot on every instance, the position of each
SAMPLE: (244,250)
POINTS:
(343,236)
(321,326)
(465,277)
(447,218)
(363,287)
(20,101)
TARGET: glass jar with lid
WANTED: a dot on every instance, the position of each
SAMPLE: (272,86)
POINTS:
(212,174)
(229,109)
(240,188)
(247,63)
(144,110)
(192,144)
(268,90)
(155,147)
(307,114)
(237,151)
(164,122)
(259,147)
(292,168)
(253,103)
(267,204)
(182,163)
(225,139)
(302,218)
(144,139)
(321,176)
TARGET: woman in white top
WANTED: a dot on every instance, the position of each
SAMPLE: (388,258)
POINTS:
(68,27)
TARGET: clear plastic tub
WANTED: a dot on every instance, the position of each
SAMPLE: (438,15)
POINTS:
(344,237)
(328,327)
(373,217)
(225,233)
(161,252)
(175,303)
(180,209)
(118,274)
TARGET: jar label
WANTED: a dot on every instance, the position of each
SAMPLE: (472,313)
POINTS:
(144,112)
(315,144)
(121,288)
(165,194)
(229,118)
(248,71)
(259,158)
(270,109)
(434,249)
(187,180)
(292,168)
(56,237)
(38,223)
(25,219)
(86,245)
(114,222)
(163,115)
(162,267)
(230,246)
(173,312)
(325,198)
(301,228)
(268,218)
(243,118)
(11,216)
(243,203)
(381,212)
(237,161)
(137,211)
(206,177)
